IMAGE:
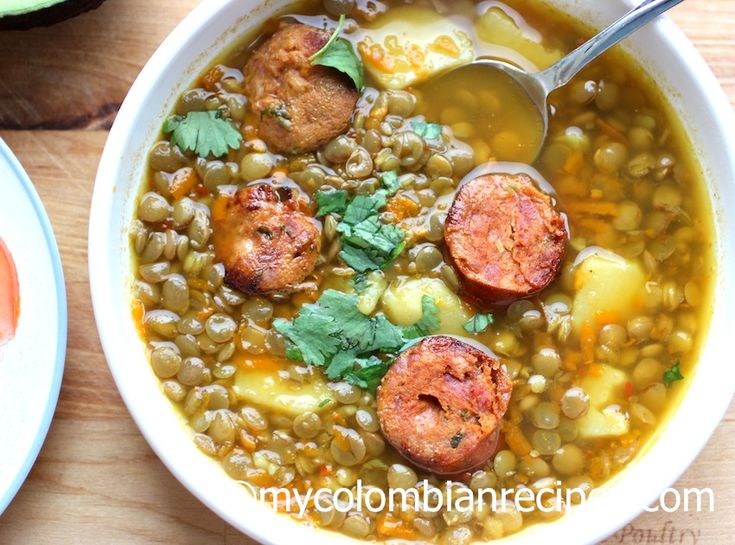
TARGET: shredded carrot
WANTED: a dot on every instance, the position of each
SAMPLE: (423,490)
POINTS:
(595,208)
(628,389)
(402,207)
(595,225)
(609,130)
(515,439)
(183,182)
(211,78)
(605,317)
(219,207)
(389,526)
(138,311)
(587,343)
(326,470)
(252,362)
(574,162)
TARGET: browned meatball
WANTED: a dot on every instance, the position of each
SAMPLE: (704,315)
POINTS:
(505,238)
(302,106)
(441,403)
(266,243)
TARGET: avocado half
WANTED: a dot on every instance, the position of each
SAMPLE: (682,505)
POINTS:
(24,14)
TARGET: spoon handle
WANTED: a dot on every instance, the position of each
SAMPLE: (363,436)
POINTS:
(566,68)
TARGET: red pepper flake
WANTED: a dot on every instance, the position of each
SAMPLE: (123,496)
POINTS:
(326,470)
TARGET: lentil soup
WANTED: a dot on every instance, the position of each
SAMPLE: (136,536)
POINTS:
(347,271)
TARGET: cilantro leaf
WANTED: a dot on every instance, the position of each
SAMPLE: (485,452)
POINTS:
(331,202)
(479,323)
(360,282)
(428,323)
(333,334)
(426,130)
(369,373)
(205,133)
(673,374)
(367,243)
(364,206)
(390,182)
(339,54)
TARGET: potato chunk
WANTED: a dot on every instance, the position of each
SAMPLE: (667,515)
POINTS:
(605,283)
(401,302)
(267,389)
(608,422)
(497,28)
(605,387)
(411,44)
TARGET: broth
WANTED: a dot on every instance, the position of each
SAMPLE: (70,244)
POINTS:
(596,358)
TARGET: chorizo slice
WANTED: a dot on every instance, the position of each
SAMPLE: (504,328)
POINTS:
(301,106)
(505,238)
(266,243)
(441,404)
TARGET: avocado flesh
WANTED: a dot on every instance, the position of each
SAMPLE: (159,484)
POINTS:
(24,14)
(19,7)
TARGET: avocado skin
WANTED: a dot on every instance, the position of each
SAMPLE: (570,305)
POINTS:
(48,16)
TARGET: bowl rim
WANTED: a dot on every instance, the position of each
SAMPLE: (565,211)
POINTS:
(657,476)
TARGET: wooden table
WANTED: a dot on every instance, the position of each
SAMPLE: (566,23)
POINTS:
(96,481)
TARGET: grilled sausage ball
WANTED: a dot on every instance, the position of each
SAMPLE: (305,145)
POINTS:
(505,238)
(302,106)
(441,403)
(266,243)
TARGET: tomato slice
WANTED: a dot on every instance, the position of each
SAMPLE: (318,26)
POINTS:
(9,295)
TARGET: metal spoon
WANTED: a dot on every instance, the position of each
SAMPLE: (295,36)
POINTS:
(539,85)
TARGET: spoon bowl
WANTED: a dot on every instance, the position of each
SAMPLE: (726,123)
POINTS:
(537,86)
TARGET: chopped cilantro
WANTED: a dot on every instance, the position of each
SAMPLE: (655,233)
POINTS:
(339,54)
(331,202)
(479,323)
(280,113)
(457,439)
(426,130)
(673,374)
(367,243)
(333,334)
(360,282)
(390,182)
(428,323)
(205,133)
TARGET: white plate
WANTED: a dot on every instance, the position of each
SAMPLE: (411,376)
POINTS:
(31,365)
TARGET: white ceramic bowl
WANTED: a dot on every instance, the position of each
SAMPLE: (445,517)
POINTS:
(708,119)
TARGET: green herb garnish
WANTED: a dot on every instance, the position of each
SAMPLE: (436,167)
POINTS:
(280,114)
(457,439)
(339,54)
(390,182)
(479,323)
(367,243)
(205,133)
(429,321)
(331,202)
(426,130)
(333,334)
(673,374)
(324,403)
